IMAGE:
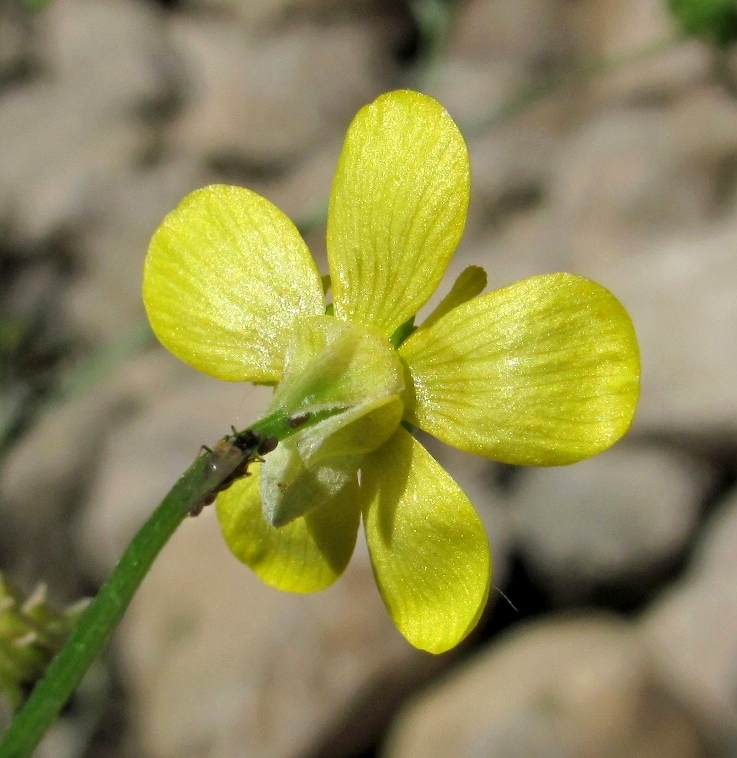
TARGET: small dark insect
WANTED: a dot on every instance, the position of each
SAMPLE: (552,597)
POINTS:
(266,445)
(230,460)
(296,421)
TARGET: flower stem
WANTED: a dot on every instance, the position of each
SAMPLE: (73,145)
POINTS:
(198,485)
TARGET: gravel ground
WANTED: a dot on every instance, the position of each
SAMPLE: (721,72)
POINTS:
(600,144)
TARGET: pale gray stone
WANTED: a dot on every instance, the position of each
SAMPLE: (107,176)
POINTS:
(627,512)
(105,298)
(220,666)
(692,629)
(261,102)
(511,228)
(17,54)
(622,31)
(303,192)
(263,16)
(504,29)
(608,172)
(48,474)
(122,37)
(46,467)
(55,153)
(681,293)
(63,450)
(476,93)
(628,174)
(576,688)
(68,131)
(254,16)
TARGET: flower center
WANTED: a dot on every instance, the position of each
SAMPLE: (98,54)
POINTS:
(329,365)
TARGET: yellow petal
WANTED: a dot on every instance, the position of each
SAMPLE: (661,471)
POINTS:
(397,209)
(428,546)
(225,277)
(543,372)
(306,555)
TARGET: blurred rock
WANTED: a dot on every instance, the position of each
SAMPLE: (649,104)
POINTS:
(252,16)
(682,295)
(219,665)
(512,231)
(70,130)
(692,630)
(52,459)
(508,161)
(45,178)
(47,476)
(112,110)
(105,297)
(633,173)
(42,480)
(66,445)
(623,514)
(504,30)
(259,103)
(123,37)
(303,192)
(580,688)
(618,30)
(17,54)
(472,92)
(496,52)
(262,16)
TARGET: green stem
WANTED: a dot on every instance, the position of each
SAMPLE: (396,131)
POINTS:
(102,616)
(197,485)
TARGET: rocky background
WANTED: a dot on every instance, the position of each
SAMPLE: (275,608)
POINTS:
(601,144)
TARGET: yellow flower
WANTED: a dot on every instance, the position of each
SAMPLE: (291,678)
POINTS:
(542,372)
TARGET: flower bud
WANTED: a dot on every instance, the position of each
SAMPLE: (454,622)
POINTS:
(31,633)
